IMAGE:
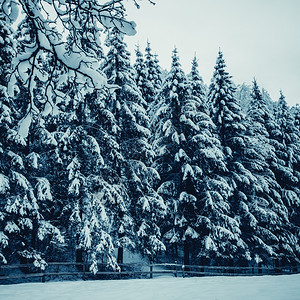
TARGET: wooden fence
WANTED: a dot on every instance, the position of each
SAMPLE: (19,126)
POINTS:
(72,270)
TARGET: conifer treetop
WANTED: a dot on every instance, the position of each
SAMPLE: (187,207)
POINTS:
(196,81)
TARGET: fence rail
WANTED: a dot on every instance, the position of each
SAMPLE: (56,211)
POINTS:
(22,272)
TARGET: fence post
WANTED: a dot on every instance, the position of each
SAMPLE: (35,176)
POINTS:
(183,271)
(277,270)
(43,276)
(175,268)
(83,270)
(151,270)
(259,268)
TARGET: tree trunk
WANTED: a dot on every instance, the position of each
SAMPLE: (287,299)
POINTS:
(259,270)
(277,265)
(79,259)
(231,265)
(120,255)
(186,250)
(121,248)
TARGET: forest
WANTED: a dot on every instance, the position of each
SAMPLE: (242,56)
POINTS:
(99,155)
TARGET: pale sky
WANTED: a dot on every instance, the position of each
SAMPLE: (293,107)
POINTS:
(259,38)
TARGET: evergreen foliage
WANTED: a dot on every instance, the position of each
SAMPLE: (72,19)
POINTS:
(173,125)
(27,230)
(99,157)
(137,153)
(268,197)
(151,66)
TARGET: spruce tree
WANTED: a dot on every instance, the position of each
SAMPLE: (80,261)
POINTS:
(157,75)
(287,144)
(25,224)
(225,111)
(296,113)
(287,148)
(141,76)
(191,164)
(272,236)
(230,130)
(172,161)
(7,49)
(151,74)
(220,234)
(144,208)
(196,82)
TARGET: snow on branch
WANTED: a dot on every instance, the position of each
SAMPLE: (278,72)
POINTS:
(67,30)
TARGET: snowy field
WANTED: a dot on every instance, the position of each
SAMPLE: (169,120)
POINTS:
(285,287)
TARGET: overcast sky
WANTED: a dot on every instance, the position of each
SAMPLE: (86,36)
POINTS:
(258,38)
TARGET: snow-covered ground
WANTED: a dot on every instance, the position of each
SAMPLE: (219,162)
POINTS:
(285,287)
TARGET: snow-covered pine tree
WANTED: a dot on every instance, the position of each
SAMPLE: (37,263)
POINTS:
(268,221)
(24,224)
(145,208)
(82,188)
(219,232)
(230,129)
(252,182)
(225,111)
(243,95)
(111,188)
(151,74)
(296,113)
(157,83)
(172,162)
(144,81)
(196,82)
(191,165)
(287,144)
(6,119)
(141,76)
(88,191)
(287,148)
(255,199)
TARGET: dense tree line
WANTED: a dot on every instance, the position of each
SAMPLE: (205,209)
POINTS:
(102,155)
